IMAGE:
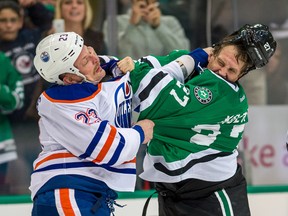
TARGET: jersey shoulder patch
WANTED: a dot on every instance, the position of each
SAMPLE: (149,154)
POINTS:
(72,93)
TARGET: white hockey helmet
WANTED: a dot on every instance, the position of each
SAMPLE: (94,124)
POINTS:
(56,54)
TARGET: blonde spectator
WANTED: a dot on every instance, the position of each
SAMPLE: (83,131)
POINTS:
(78,17)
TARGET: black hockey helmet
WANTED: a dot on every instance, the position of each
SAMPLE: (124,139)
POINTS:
(257,40)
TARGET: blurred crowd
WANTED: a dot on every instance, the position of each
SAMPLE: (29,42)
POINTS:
(138,28)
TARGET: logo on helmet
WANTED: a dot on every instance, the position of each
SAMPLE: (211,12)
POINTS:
(45,57)
(267,46)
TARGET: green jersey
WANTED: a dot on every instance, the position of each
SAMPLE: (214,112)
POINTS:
(198,125)
(11,98)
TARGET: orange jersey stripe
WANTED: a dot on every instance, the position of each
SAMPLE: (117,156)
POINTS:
(65,202)
(131,161)
(74,101)
(106,146)
(54,156)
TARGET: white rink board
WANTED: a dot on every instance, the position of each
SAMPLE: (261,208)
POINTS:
(264,140)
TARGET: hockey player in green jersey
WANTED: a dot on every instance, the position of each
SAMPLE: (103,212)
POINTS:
(198,125)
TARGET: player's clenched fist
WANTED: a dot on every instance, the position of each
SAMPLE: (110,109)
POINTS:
(147,126)
(126,64)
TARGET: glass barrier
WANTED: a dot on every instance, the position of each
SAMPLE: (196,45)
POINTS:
(197,23)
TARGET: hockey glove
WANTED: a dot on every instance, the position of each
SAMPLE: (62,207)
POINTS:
(200,57)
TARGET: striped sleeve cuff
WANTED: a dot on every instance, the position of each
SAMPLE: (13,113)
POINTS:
(140,131)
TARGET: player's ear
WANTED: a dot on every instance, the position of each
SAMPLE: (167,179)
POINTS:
(69,79)
(65,80)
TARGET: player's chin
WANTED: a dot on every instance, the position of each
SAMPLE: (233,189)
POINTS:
(100,75)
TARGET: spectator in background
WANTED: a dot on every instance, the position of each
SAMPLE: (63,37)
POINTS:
(36,15)
(266,85)
(11,98)
(277,84)
(78,16)
(19,44)
(255,87)
(49,4)
(201,20)
(145,30)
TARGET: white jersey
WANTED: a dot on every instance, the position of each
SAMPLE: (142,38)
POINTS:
(81,135)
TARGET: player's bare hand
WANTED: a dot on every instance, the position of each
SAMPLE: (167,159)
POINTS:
(126,64)
(209,51)
(147,126)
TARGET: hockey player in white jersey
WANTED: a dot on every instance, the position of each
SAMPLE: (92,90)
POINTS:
(88,142)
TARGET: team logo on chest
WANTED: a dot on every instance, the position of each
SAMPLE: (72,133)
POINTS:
(123,105)
(203,95)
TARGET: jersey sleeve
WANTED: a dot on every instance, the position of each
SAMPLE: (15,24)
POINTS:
(199,56)
(154,64)
(109,64)
(81,131)
(158,61)
(12,89)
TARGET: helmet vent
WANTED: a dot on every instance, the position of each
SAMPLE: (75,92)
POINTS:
(71,52)
(65,59)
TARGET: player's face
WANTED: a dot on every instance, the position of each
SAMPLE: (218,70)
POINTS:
(88,64)
(226,64)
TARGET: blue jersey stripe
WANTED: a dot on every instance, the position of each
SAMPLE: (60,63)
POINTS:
(86,164)
(95,140)
(118,151)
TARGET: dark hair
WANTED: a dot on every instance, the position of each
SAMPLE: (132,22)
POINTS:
(242,52)
(13,5)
